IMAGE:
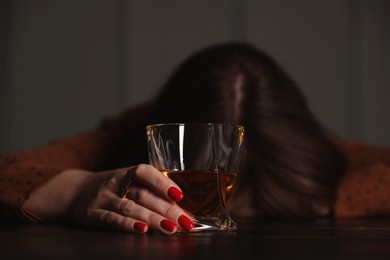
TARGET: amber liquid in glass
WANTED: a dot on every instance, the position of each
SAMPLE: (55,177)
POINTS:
(205,196)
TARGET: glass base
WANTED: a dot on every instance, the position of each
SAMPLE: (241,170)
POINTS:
(211,225)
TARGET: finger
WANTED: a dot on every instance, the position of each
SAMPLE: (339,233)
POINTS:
(134,211)
(117,221)
(156,181)
(155,220)
(146,175)
(119,180)
(159,192)
(155,203)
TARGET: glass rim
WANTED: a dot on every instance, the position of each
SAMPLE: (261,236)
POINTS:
(194,124)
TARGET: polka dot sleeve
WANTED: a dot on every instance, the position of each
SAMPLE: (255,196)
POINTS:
(22,172)
(95,150)
(17,180)
(365,188)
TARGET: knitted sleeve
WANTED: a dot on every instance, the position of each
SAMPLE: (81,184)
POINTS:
(95,150)
(365,188)
(22,172)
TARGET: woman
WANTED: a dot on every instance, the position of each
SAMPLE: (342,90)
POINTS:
(291,166)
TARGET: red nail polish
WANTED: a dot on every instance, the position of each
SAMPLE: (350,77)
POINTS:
(175,194)
(140,227)
(168,225)
(185,223)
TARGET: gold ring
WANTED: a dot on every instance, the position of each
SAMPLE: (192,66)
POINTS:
(126,189)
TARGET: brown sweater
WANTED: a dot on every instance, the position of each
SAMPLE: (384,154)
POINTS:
(363,191)
(96,150)
(365,188)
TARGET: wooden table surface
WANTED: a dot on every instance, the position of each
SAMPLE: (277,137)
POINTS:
(257,238)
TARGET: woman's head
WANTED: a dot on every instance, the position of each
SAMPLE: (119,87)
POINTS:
(236,80)
(289,166)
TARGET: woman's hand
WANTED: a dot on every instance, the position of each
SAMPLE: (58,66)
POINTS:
(130,199)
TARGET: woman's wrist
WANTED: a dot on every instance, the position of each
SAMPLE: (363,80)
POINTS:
(53,200)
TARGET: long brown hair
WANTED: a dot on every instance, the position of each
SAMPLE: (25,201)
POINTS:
(289,166)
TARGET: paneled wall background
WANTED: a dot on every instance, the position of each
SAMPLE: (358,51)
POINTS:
(66,64)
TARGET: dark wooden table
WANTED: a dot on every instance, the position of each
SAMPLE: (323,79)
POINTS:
(260,239)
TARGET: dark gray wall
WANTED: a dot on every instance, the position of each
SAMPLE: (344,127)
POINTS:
(68,63)
(4,29)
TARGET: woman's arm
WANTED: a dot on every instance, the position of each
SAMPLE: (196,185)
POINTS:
(22,172)
(64,182)
(95,150)
(99,200)
(365,188)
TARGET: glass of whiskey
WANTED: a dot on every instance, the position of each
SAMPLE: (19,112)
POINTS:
(203,160)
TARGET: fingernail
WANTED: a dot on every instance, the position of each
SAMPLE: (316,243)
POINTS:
(140,227)
(186,223)
(175,194)
(168,225)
